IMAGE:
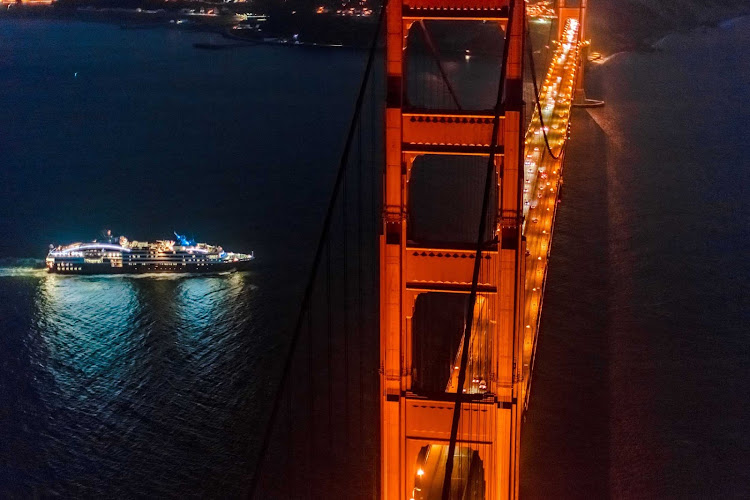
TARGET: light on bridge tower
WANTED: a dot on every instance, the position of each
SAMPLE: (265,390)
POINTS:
(415,422)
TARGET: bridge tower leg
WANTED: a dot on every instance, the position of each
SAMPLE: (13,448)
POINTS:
(574,9)
(415,422)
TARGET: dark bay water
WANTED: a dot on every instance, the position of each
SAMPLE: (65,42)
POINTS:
(170,137)
(143,386)
(153,386)
(126,386)
(640,384)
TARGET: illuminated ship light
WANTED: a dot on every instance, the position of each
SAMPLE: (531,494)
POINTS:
(161,256)
(88,246)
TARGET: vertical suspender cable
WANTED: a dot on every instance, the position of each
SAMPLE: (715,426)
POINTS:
(436,55)
(311,407)
(477,263)
(536,96)
(329,349)
(316,261)
(536,88)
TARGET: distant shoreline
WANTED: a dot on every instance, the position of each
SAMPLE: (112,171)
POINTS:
(636,25)
(324,31)
(609,33)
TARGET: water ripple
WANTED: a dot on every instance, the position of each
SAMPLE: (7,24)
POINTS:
(135,370)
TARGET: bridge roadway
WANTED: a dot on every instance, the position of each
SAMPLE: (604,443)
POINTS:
(542,180)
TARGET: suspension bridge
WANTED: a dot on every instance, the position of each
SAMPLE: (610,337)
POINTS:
(409,367)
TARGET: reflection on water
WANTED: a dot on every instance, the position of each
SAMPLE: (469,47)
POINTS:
(84,330)
(21,272)
(643,347)
(133,384)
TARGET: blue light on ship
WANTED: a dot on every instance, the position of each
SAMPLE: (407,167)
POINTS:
(183,241)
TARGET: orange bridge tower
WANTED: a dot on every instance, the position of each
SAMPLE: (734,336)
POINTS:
(424,285)
(568,9)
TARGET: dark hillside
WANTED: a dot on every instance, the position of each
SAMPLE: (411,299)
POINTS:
(630,24)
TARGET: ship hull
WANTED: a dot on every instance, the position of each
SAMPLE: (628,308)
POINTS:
(188,268)
(141,257)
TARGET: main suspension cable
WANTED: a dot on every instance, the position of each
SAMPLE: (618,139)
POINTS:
(536,95)
(316,260)
(477,262)
(536,88)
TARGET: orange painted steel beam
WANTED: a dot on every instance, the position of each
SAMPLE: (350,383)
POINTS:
(412,422)
(457,10)
(458,5)
(433,129)
(578,13)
